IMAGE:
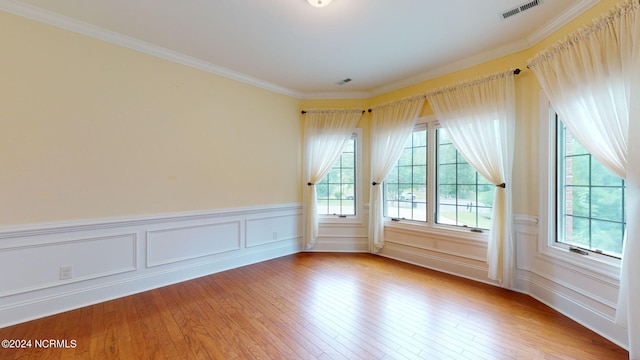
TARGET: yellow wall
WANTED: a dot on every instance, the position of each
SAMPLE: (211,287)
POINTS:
(89,129)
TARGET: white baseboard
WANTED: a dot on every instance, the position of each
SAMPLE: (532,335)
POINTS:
(583,294)
(112,258)
(578,308)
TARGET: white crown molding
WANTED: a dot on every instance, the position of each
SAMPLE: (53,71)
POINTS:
(35,13)
(561,20)
(21,9)
(454,66)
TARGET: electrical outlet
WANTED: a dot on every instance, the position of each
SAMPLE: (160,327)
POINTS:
(66,272)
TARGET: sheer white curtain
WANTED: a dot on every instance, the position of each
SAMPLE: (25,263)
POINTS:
(592,80)
(480,117)
(325,134)
(391,126)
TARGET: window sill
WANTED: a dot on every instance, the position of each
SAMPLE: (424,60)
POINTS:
(592,263)
(337,220)
(459,233)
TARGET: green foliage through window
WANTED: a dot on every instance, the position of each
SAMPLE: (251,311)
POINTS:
(405,189)
(465,198)
(335,194)
(591,208)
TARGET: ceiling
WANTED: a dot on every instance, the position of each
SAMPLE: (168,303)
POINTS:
(293,48)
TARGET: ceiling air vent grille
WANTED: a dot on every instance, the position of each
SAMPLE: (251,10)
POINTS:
(521,8)
(529,5)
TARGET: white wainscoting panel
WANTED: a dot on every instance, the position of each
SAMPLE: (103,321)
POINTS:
(33,267)
(267,230)
(349,234)
(184,243)
(451,251)
(111,258)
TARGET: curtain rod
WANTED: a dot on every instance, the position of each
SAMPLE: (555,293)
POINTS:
(304,112)
(515,72)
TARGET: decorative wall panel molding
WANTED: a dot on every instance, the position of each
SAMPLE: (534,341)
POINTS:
(37,266)
(184,243)
(55,267)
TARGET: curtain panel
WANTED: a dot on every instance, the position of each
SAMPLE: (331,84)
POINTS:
(391,126)
(480,117)
(325,134)
(592,79)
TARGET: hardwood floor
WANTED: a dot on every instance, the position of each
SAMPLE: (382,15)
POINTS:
(316,306)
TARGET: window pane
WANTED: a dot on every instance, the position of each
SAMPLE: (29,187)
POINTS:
(347,160)
(419,138)
(606,235)
(447,174)
(578,232)
(600,175)
(486,194)
(464,197)
(466,174)
(335,194)
(392,208)
(574,147)
(591,208)
(577,200)
(333,176)
(405,188)
(349,206)
(420,156)
(578,170)
(606,203)
(406,157)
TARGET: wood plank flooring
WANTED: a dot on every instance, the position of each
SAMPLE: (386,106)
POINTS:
(317,306)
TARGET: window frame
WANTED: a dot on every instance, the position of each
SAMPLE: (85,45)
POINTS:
(477,185)
(430,226)
(357,218)
(421,126)
(547,246)
(560,184)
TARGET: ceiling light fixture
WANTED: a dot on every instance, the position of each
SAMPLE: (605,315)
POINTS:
(319,3)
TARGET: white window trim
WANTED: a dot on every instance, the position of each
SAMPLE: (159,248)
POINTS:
(358,217)
(430,226)
(548,248)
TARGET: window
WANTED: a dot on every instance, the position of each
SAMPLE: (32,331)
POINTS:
(465,198)
(336,193)
(590,199)
(405,189)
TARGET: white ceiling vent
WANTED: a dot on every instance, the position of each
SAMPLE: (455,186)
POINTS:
(520,8)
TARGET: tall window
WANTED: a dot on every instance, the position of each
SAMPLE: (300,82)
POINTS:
(591,209)
(405,190)
(465,198)
(336,193)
